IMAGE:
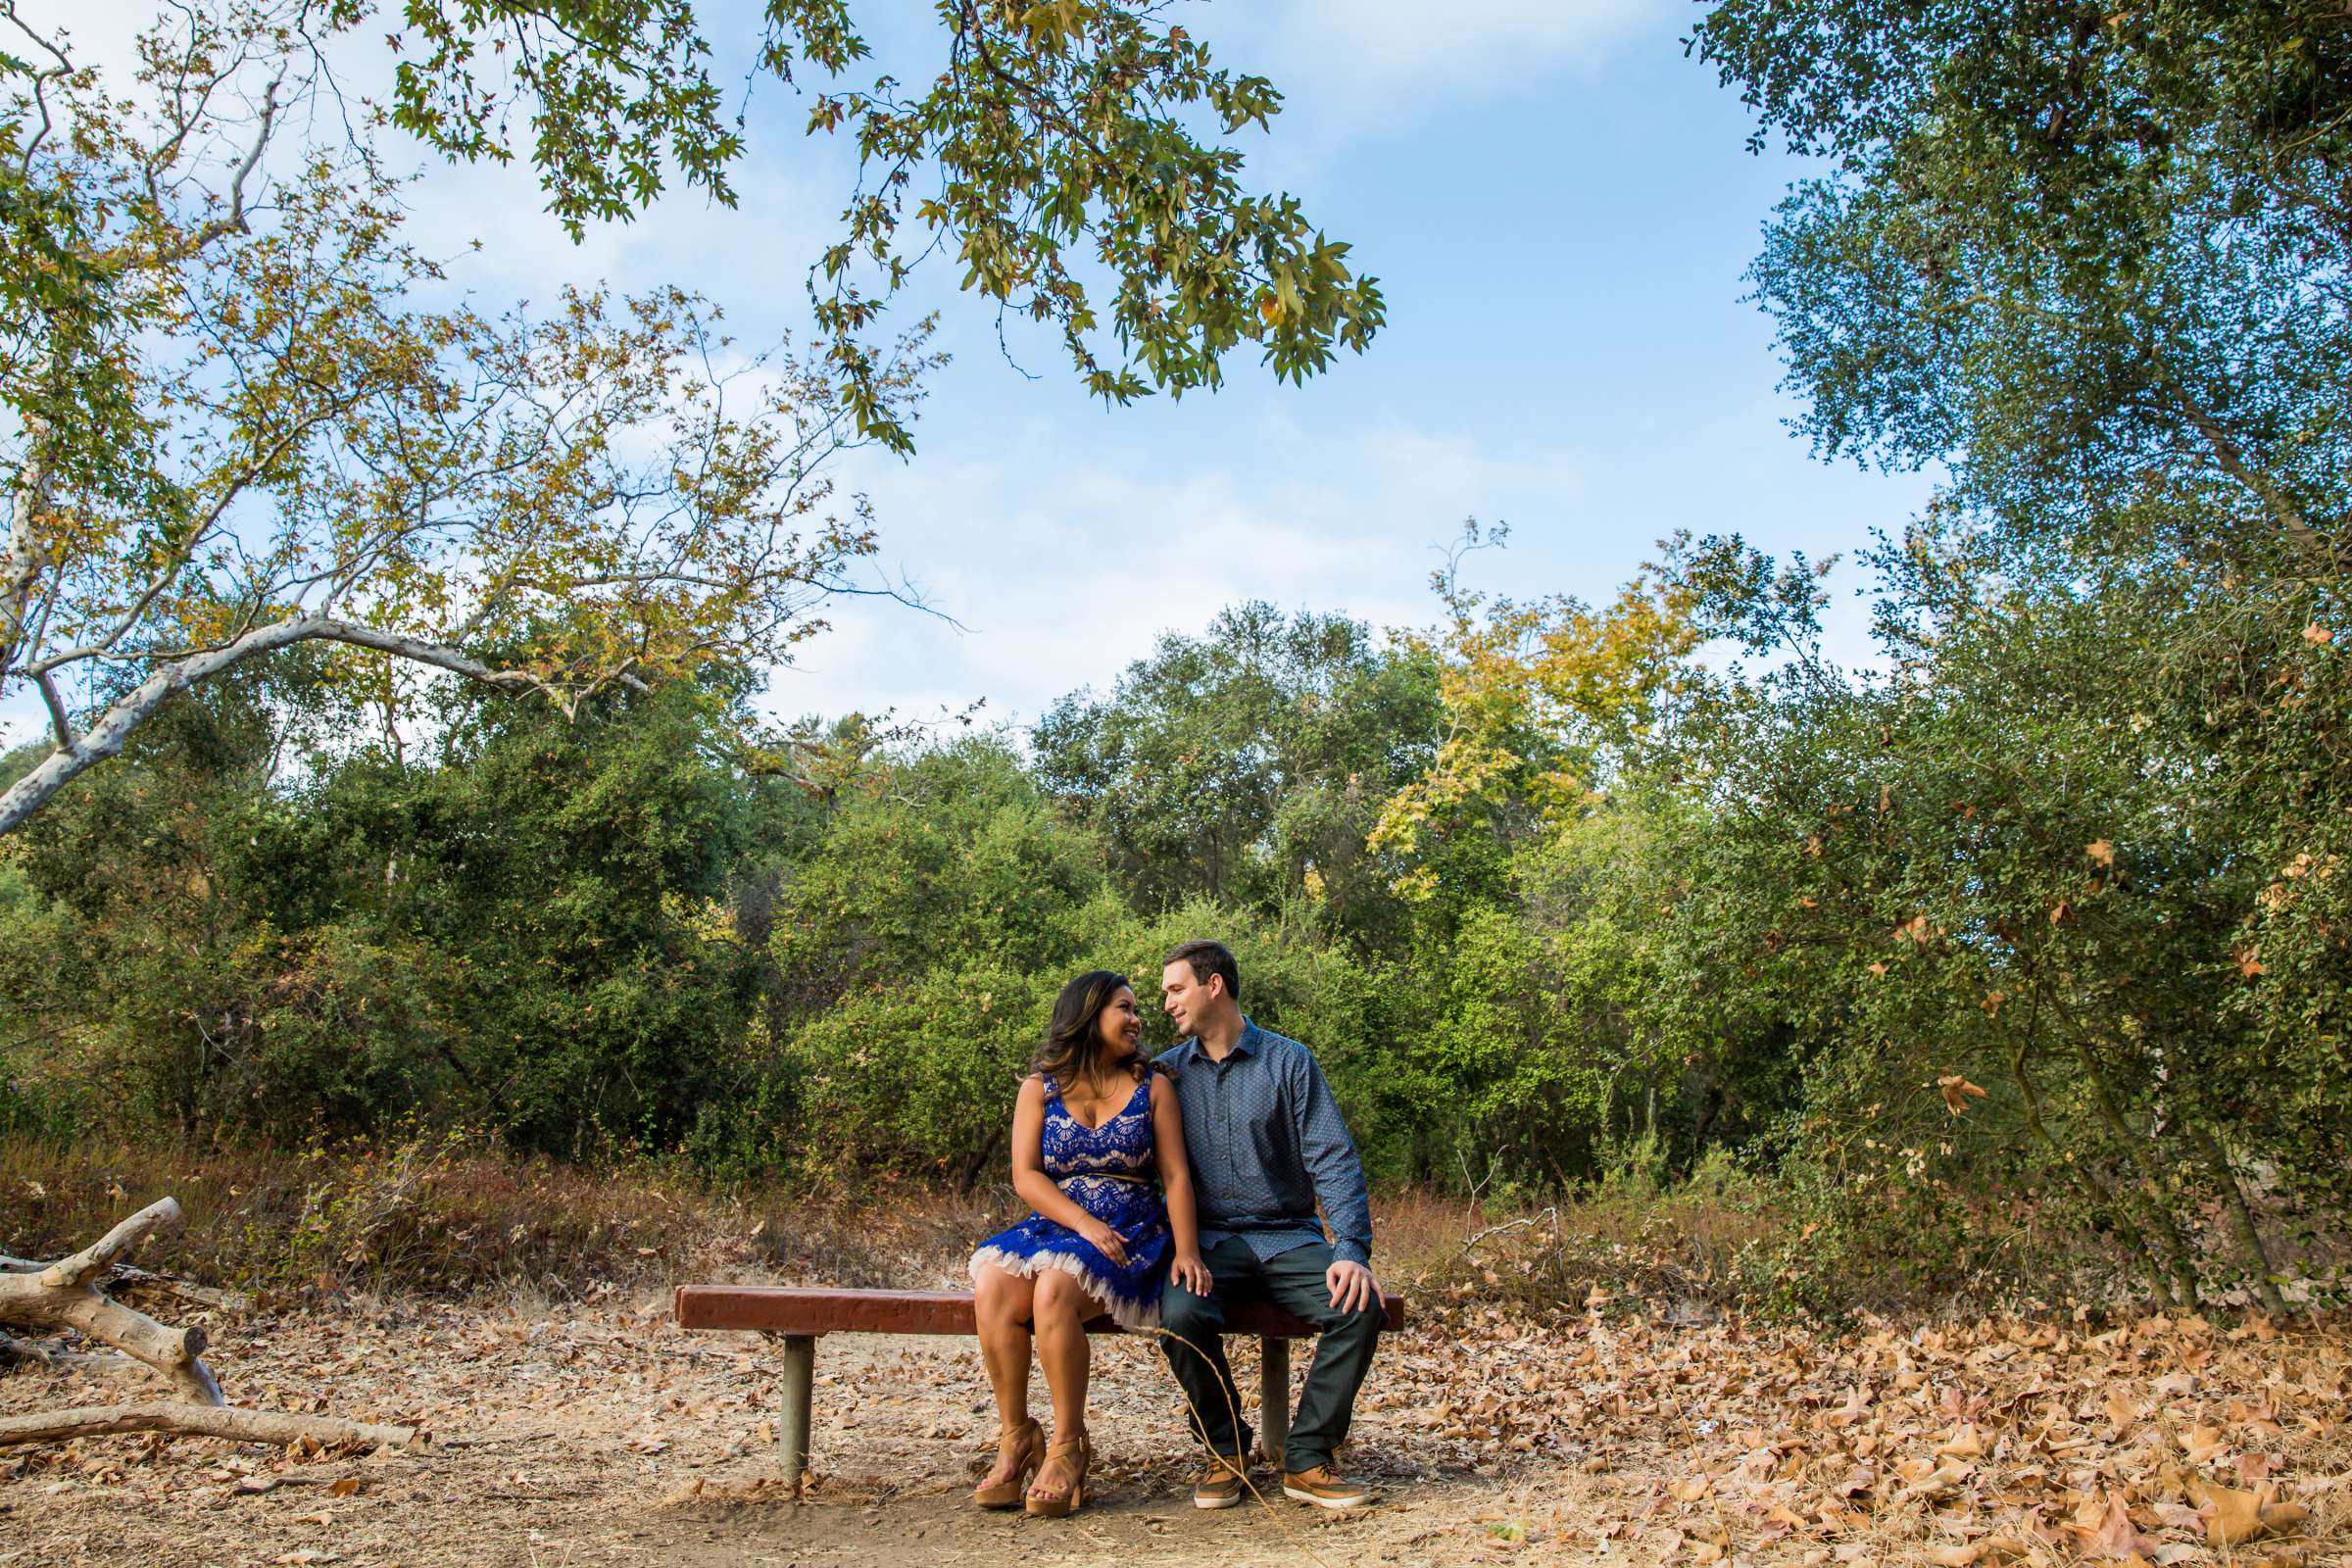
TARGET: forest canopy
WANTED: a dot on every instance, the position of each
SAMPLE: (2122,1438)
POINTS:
(2032,930)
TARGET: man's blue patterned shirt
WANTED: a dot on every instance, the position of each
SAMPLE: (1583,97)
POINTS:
(1265,1140)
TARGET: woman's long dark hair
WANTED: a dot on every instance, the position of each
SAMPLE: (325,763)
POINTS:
(1073,1045)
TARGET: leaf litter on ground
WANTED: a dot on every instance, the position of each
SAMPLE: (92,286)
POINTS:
(1494,1431)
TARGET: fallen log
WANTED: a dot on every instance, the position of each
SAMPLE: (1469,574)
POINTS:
(207,1420)
(129,1277)
(12,1349)
(64,1296)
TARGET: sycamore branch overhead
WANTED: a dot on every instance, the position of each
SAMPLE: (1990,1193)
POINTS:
(231,428)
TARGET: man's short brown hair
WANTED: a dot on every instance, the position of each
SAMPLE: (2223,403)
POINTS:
(1205,958)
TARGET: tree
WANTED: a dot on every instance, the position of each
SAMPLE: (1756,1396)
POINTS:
(232,428)
(1249,763)
(1059,135)
(1544,701)
(156,971)
(1533,856)
(525,925)
(2092,260)
(1998,897)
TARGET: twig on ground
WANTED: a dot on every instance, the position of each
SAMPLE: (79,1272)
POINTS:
(493,1439)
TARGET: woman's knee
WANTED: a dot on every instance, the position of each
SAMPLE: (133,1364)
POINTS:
(1061,1295)
(997,1293)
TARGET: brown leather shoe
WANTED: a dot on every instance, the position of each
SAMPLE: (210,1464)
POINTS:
(1220,1485)
(1025,1447)
(1073,1455)
(1325,1487)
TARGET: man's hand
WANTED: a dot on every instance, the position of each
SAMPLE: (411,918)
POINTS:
(1352,1285)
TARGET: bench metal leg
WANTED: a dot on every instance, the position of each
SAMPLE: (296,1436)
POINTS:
(792,1433)
(1274,1409)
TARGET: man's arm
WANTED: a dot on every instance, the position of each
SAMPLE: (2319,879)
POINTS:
(1332,1163)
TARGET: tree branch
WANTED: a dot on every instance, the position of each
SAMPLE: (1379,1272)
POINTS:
(214,1421)
(113,728)
(59,718)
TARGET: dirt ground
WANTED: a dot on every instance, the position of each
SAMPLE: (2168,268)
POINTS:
(608,1434)
(601,1432)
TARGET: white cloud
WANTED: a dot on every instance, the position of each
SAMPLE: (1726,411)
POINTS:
(1065,564)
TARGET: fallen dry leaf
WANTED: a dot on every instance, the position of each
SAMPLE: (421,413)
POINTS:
(2230,1515)
(1967,1443)
(2113,1535)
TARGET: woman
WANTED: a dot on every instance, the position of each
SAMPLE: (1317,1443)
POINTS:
(1090,1126)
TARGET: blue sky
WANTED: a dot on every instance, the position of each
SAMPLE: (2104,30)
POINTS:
(1559,207)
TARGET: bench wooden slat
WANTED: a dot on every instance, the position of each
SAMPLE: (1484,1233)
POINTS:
(792,1309)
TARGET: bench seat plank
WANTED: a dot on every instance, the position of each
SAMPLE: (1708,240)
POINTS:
(793,1309)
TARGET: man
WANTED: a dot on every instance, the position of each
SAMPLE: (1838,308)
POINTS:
(1266,1142)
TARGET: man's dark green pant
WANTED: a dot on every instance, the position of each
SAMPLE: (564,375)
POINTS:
(1292,1279)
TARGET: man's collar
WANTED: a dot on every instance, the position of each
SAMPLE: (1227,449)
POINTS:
(1244,1044)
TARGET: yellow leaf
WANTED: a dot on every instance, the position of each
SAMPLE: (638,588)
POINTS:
(2198,1442)
(2280,1517)
(2230,1515)
(1967,1443)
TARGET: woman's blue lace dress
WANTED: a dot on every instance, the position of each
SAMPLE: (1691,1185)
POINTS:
(1109,1172)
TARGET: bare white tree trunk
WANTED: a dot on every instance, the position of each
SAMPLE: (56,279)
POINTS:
(64,1295)
(113,729)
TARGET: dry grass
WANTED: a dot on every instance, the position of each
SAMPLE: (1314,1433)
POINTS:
(452,1218)
(1674,1252)
(449,1217)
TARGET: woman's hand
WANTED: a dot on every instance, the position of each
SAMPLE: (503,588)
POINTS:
(1189,1272)
(1105,1239)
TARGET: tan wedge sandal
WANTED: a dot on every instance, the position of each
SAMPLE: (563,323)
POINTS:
(1071,1502)
(1025,1446)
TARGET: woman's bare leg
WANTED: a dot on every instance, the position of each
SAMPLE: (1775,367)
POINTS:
(1001,1303)
(1061,1308)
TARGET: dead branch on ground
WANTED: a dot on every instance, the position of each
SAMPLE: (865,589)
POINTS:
(65,1295)
(208,1420)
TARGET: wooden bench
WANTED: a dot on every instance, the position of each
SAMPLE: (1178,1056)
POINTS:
(799,1316)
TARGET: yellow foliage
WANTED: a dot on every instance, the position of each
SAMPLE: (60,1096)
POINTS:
(1538,695)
